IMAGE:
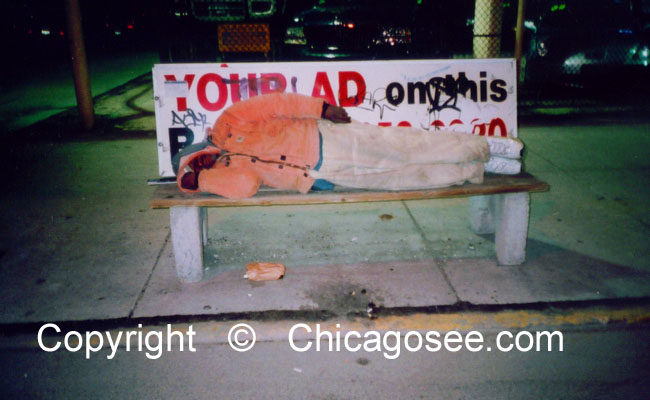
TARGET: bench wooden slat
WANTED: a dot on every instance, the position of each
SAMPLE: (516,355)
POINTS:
(166,196)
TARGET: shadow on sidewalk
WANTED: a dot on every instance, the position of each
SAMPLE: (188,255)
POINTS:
(113,110)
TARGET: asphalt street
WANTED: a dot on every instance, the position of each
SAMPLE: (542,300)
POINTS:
(595,363)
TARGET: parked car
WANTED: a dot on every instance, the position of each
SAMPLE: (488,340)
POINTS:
(587,43)
(365,29)
(285,30)
(214,30)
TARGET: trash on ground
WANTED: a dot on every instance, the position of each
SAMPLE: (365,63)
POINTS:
(265,271)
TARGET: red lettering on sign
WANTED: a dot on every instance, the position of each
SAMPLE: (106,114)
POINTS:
(344,98)
(496,127)
(322,84)
(497,123)
(202,95)
(479,129)
(273,83)
(490,129)
(189,78)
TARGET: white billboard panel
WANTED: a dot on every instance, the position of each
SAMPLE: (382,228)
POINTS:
(473,96)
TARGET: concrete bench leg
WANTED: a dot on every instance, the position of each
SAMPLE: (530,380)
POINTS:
(511,223)
(189,233)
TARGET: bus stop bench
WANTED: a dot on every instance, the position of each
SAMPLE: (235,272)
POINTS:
(499,205)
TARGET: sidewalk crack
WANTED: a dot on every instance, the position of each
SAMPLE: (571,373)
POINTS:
(146,283)
(429,249)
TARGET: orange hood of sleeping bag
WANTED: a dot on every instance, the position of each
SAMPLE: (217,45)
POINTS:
(185,163)
(270,139)
(234,175)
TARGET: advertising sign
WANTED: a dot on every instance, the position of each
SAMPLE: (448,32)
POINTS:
(473,96)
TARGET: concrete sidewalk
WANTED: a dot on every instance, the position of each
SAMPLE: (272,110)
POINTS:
(80,243)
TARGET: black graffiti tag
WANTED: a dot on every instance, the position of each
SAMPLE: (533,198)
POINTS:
(449,88)
(190,119)
(374,100)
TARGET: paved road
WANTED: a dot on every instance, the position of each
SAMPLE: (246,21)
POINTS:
(595,364)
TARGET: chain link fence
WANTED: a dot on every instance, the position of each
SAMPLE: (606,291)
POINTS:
(575,53)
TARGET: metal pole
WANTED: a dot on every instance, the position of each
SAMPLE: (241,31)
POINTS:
(519,39)
(487,28)
(486,44)
(79,64)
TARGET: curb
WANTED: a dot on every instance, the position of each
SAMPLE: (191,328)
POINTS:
(213,332)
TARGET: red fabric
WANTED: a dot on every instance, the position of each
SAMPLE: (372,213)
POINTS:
(270,126)
(272,140)
(188,161)
(232,182)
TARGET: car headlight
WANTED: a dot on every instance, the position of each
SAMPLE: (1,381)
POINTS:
(295,35)
(573,65)
(642,54)
(542,49)
(639,55)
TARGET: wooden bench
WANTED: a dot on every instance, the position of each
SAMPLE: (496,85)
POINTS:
(499,205)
